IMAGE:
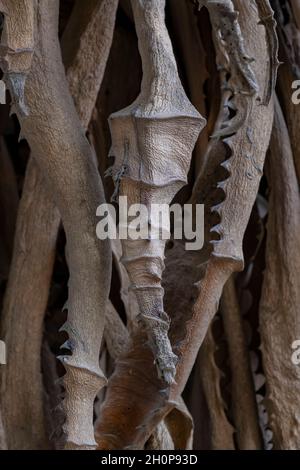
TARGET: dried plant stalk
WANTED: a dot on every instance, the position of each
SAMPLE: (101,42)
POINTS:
(116,338)
(266,16)
(248,148)
(295,4)
(23,312)
(176,431)
(86,44)
(244,407)
(17,43)
(162,440)
(159,125)
(9,200)
(52,128)
(289,35)
(221,430)
(135,378)
(180,426)
(279,311)
(127,296)
(232,58)
(3,445)
(35,249)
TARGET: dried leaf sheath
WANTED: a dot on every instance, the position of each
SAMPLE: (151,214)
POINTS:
(279,306)
(232,59)
(221,430)
(86,43)
(152,142)
(17,43)
(57,140)
(289,36)
(266,15)
(248,148)
(240,189)
(3,445)
(244,406)
(34,250)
